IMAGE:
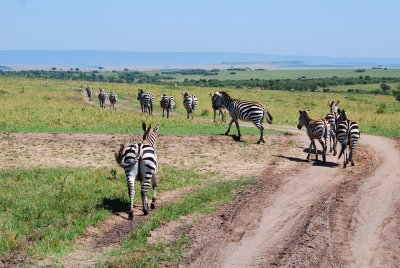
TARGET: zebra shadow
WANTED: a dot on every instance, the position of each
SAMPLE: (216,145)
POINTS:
(114,205)
(234,137)
(293,159)
(304,160)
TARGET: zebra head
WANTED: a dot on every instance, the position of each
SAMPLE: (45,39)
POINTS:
(303,118)
(334,106)
(342,115)
(140,92)
(216,101)
(149,135)
(185,95)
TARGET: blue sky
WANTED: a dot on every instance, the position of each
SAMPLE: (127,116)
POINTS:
(338,28)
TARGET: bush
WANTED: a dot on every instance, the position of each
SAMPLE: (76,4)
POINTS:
(205,112)
(396,94)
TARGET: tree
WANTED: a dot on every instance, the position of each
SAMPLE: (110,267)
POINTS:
(77,69)
(100,68)
(54,68)
(385,87)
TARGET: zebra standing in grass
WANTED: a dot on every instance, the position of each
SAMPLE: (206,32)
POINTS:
(102,98)
(140,162)
(316,129)
(245,110)
(89,92)
(146,101)
(113,100)
(190,103)
(167,103)
(217,105)
(332,120)
(348,134)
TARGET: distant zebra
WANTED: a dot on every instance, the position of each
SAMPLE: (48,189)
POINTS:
(167,103)
(348,134)
(89,92)
(316,129)
(140,162)
(113,100)
(190,103)
(146,101)
(102,98)
(332,120)
(217,105)
(245,110)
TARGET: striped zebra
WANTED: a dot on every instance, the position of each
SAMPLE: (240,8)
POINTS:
(190,103)
(348,134)
(217,105)
(245,110)
(332,120)
(167,103)
(316,129)
(113,100)
(89,92)
(102,98)
(140,163)
(146,101)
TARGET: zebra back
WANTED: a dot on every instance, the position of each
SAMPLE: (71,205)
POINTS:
(189,102)
(113,97)
(316,128)
(167,102)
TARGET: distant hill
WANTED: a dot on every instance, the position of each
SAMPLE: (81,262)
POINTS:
(94,59)
(4,68)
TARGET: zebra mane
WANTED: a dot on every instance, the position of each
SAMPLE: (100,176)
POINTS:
(226,95)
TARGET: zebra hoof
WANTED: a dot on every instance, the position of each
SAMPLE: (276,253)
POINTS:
(145,211)
(130,215)
(153,205)
(352,164)
(334,153)
(226,133)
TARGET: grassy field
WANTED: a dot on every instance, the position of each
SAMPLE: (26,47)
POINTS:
(58,106)
(289,74)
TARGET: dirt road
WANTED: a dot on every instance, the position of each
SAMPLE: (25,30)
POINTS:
(317,215)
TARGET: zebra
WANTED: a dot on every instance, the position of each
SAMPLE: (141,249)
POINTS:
(140,163)
(245,110)
(332,120)
(102,98)
(167,103)
(190,103)
(348,134)
(146,101)
(113,100)
(89,92)
(217,105)
(316,129)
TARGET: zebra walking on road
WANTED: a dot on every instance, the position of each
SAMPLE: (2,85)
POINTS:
(245,110)
(316,129)
(218,106)
(167,103)
(89,92)
(102,98)
(348,134)
(332,121)
(190,103)
(113,100)
(146,101)
(140,162)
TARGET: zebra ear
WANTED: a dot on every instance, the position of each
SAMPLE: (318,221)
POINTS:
(211,95)
(156,128)
(144,126)
(299,111)
(337,102)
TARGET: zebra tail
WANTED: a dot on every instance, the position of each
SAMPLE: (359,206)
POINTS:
(268,116)
(341,151)
(119,157)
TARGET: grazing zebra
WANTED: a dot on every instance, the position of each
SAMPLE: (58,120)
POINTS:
(190,103)
(140,162)
(102,98)
(348,134)
(113,100)
(89,92)
(245,110)
(332,120)
(167,103)
(316,129)
(217,105)
(146,101)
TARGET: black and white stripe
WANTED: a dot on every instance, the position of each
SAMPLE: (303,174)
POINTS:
(348,134)
(89,92)
(167,103)
(102,97)
(113,100)
(245,110)
(146,101)
(190,103)
(140,162)
(217,105)
(332,121)
(316,129)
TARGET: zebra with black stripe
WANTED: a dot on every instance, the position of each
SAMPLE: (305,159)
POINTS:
(113,100)
(348,134)
(332,121)
(146,101)
(245,110)
(167,103)
(140,163)
(190,103)
(89,92)
(316,129)
(102,98)
(218,106)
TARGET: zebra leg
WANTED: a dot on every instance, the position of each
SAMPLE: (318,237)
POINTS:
(151,108)
(130,177)
(309,150)
(154,185)
(187,113)
(229,127)
(324,149)
(167,113)
(238,128)
(143,192)
(315,150)
(215,113)
(261,128)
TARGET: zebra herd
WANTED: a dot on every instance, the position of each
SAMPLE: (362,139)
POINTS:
(103,96)
(336,127)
